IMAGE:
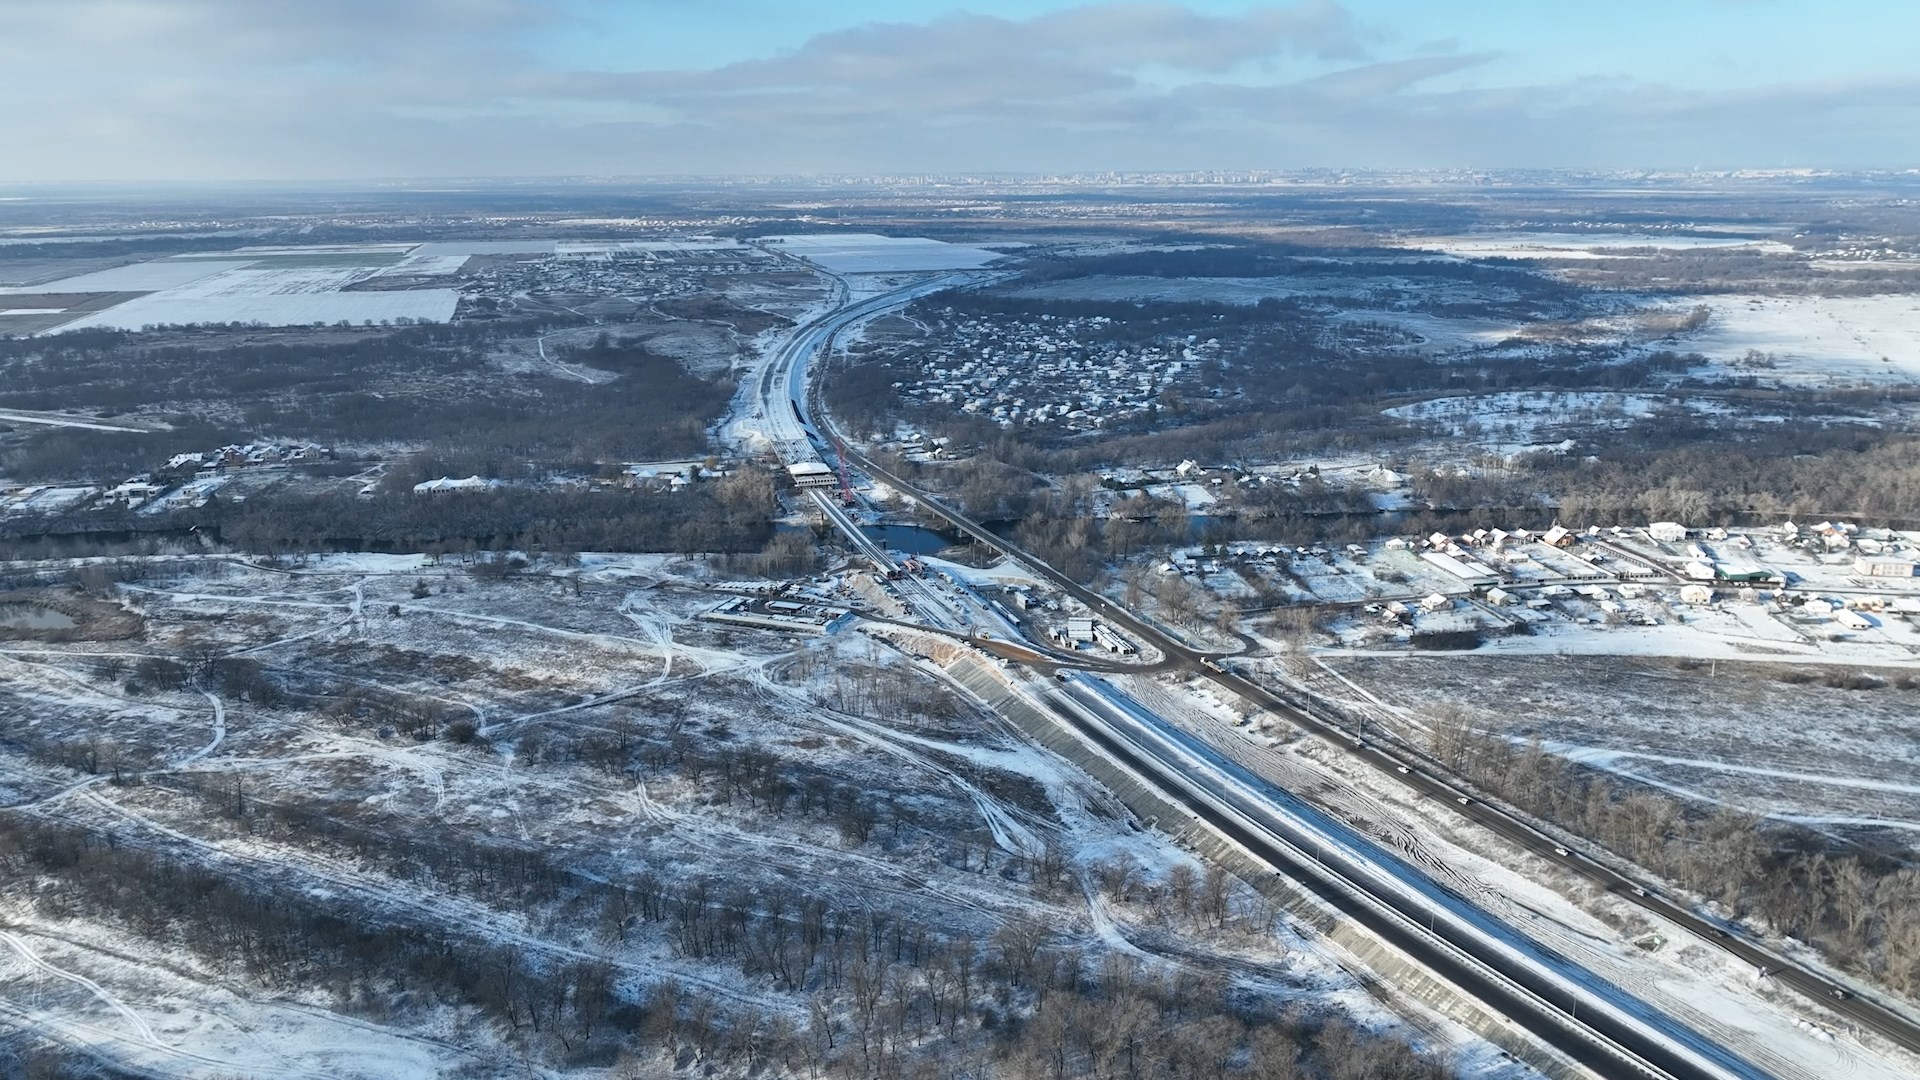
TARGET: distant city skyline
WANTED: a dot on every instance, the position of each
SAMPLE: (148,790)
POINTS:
(231,90)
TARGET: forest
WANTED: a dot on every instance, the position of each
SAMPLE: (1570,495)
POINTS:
(728,515)
(436,386)
(1712,472)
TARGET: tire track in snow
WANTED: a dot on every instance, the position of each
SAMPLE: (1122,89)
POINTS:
(219,732)
(37,961)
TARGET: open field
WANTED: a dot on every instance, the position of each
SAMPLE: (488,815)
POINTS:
(1584,245)
(274,288)
(1814,339)
(275,309)
(869,253)
(1731,734)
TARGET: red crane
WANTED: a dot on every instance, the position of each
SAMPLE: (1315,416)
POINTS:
(846,485)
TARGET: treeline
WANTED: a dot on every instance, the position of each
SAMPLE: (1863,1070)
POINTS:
(1291,261)
(705,518)
(1133,320)
(1695,470)
(1861,908)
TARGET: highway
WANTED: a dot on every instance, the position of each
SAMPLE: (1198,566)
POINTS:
(1420,776)
(786,417)
(782,389)
(1611,1036)
(1596,1024)
(919,593)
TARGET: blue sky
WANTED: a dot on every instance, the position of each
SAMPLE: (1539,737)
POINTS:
(325,89)
(1705,44)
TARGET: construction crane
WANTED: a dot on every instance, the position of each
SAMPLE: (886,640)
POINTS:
(846,485)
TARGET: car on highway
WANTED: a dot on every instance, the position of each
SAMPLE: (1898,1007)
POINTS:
(1558,850)
(1402,769)
(1462,800)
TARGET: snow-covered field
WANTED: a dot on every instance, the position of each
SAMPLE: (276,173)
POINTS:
(140,277)
(254,287)
(1816,338)
(1731,735)
(871,253)
(436,265)
(1512,421)
(1437,333)
(285,309)
(1580,245)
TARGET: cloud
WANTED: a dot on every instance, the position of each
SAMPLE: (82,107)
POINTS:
(221,89)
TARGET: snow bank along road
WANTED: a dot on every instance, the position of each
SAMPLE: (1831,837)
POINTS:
(1595,1023)
(782,387)
(1868,1014)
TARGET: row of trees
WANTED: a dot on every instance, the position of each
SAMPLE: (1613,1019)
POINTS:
(729,515)
(1688,469)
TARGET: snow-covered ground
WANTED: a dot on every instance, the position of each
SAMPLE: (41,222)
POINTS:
(1789,1037)
(1436,333)
(1815,338)
(547,666)
(1580,245)
(140,277)
(871,253)
(1729,734)
(283,309)
(249,287)
(1511,421)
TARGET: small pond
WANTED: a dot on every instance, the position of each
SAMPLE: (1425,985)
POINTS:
(33,617)
(911,539)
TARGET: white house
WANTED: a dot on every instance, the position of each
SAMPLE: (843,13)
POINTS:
(445,483)
(1667,532)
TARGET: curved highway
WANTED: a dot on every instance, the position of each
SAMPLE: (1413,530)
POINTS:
(1654,1058)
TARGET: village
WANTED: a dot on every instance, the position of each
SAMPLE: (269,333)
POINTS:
(1831,589)
(181,482)
(1067,374)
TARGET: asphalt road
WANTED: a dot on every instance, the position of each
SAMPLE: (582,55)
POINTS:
(1867,1013)
(1535,1003)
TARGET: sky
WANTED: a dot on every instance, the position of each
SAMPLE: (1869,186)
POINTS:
(238,90)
